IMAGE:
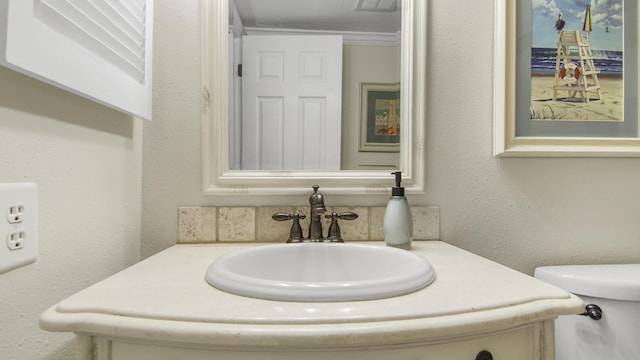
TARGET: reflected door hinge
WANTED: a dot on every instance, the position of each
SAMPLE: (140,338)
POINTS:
(239,70)
(206,97)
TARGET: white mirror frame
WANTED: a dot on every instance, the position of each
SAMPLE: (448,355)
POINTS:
(219,180)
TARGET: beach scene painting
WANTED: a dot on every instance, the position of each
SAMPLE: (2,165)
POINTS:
(577,68)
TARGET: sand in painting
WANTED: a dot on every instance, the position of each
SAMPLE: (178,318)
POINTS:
(609,107)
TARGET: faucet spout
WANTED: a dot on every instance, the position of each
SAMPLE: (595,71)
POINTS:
(316,200)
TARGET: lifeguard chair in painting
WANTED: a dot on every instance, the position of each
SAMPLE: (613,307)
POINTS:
(576,72)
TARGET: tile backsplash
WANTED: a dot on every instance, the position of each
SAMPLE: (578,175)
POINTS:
(254,224)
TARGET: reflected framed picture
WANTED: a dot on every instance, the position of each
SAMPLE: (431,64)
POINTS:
(380,117)
(566,78)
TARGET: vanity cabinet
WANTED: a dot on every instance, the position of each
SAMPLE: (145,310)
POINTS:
(162,308)
(520,343)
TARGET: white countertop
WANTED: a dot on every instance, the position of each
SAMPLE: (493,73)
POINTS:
(166,297)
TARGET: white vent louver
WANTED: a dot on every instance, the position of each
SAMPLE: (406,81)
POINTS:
(113,30)
(98,49)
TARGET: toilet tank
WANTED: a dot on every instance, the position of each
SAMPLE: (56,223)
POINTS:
(616,290)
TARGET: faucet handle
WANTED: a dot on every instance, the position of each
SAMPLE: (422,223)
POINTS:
(334,229)
(282,216)
(295,234)
(349,215)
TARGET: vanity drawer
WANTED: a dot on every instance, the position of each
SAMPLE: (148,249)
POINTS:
(521,343)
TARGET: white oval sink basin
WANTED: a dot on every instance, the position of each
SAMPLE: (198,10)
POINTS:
(320,272)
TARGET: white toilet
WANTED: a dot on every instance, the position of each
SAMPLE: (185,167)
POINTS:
(615,289)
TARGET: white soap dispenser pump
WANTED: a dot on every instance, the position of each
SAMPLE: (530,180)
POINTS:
(398,224)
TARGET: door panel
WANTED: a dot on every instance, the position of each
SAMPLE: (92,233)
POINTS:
(303,131)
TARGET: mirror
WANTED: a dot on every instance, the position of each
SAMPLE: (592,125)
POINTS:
(314,84)
(221,175)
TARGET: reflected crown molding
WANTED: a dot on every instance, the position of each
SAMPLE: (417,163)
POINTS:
(349,37)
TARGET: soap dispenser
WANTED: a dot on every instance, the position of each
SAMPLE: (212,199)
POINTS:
(398,224)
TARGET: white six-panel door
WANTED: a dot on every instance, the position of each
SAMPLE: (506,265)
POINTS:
(291,95)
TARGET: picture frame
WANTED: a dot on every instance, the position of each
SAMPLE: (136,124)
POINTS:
(517,130)
(380,117)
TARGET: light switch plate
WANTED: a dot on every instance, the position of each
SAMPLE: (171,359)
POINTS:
(18,225)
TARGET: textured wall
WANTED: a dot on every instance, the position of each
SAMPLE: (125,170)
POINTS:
(519,212)
(172,174)
(86,160)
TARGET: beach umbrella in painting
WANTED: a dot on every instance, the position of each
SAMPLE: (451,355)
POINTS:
(587,20)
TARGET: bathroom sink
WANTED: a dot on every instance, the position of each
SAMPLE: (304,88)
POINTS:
(320,272)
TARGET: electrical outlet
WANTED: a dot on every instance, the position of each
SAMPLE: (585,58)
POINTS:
(16,239)
(15,213)
(19,225)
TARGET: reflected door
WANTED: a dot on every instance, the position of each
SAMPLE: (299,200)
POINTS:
(291,95)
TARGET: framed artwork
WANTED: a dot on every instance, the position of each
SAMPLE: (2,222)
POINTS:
(380,117)
(566,78)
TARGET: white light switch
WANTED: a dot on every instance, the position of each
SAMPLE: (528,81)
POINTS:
(19,225)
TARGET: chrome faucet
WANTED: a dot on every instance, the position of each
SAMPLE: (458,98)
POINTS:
(316,200)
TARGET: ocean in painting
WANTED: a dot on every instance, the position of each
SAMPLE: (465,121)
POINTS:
(543,60)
